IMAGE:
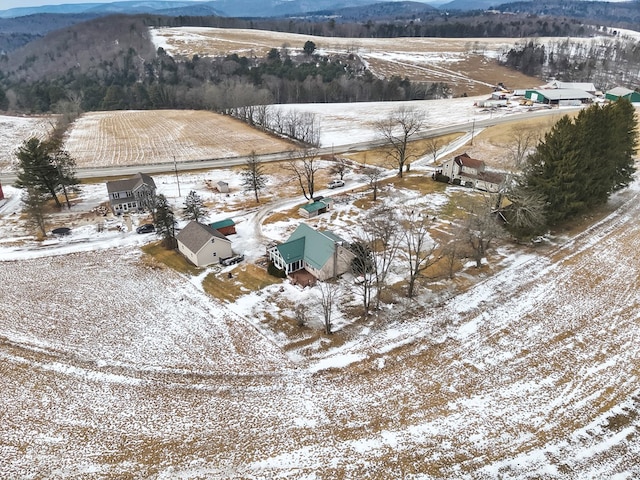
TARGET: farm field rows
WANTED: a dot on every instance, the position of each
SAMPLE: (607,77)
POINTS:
(119,138)
(531,373)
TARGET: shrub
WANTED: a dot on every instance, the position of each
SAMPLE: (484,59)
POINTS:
(275,271)
(438,177)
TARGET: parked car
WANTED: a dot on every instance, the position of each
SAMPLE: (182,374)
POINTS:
(336,184)
(146,228)
(231,260)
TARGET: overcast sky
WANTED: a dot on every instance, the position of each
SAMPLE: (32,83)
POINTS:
(7,4)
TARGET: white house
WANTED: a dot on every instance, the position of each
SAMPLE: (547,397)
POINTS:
(202,245)
(470,172)
(131,194)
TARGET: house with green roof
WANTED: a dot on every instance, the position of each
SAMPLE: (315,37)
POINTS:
(321,253)
(320,206)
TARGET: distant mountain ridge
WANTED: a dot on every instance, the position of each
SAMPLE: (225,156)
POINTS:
(235,8)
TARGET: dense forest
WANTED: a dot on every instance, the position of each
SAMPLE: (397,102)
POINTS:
(83,67)
(605,63)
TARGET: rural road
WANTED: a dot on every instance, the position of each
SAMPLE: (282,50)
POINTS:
(106,172)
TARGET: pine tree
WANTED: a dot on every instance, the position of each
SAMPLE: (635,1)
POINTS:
(45,167)
(194,208)
(165,221)
(34,209)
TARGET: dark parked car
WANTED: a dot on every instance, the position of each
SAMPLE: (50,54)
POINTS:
(146,228)
(232,260)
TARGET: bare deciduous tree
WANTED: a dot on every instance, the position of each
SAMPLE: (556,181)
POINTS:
(362,270)
(253,177)
(450,255)
(521,141)
(380,233)
(481,227)
(339,167)
(373,174)
(397,130)
(329,294)
(419,247)
(524,212)
(434,144)
(304,164)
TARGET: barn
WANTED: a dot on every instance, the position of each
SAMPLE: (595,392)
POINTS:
(559,96)
(621,92)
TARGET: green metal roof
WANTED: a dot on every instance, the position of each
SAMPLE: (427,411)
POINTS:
(222,223)
(315,247)
(292,250)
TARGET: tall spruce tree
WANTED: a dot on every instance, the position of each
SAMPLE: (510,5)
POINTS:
(580,163)
(165,221)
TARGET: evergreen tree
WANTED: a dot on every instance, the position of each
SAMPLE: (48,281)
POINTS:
(165,221)
(37,170)
(253,176)
(34,209)
(194,208)
(580,163)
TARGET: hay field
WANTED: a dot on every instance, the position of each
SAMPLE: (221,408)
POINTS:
(118,138)
(468,64)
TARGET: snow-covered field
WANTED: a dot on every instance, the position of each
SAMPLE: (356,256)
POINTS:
(15,130)
(112,366)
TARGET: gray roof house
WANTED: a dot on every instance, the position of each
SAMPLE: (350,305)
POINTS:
(202,245)
(323,254)
(131,194)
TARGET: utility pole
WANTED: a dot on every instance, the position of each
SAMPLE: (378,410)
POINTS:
(473,129)
(175,167)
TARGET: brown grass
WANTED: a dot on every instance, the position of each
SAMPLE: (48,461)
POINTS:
(245,278)
(159,256)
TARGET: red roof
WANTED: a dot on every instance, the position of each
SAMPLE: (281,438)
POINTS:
(465,160)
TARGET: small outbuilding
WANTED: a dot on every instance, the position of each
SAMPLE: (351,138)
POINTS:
(316,208)
(222,187)
(617,93)
(225,227)
(202,245)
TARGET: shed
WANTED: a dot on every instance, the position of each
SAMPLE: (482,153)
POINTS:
(316,208)
(621,92)
(222,187)
(225,227)
(202,245)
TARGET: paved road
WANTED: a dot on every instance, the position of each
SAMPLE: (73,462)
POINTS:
(105,172)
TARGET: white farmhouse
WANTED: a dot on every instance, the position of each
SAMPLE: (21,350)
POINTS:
(202,245)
